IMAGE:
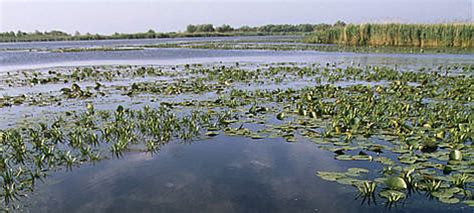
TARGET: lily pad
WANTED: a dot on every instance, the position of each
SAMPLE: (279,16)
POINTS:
(443,194)
(396,183)
(330,176)
(455,155)
(347,181)
(356,171)
(469,202)
(452,200)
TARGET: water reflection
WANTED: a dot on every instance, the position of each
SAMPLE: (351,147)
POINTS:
(222,174)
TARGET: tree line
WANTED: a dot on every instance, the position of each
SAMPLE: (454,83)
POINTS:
(269,28)
(190,31)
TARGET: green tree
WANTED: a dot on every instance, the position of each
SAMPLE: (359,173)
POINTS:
(225,28)
(191,28)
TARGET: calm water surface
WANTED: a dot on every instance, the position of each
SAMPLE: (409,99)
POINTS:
(225,174)
(15,60)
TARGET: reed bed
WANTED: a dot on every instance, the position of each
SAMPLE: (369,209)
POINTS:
(417,35)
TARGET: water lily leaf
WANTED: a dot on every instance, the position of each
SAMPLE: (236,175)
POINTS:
(330,176)
(356,171)
(452,200)
(344,157)
(407,159)
(455,155)
(347,181)
(469,203)
(362,157)
(396,183)
(384,160)
(443,194)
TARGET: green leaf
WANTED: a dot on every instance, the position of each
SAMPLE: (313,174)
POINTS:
(452,200)
(396,183)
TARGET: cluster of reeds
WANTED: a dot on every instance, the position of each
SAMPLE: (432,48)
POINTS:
(418,35)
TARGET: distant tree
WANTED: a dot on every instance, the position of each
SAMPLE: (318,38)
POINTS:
(305,27)
(245,28)
(191,28)
(77,33)
(224,28)
(205,28)
(56,33)
(19,33)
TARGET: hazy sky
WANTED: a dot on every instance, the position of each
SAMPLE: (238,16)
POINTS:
(107,16)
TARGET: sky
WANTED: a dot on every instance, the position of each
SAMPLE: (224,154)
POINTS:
(108,16)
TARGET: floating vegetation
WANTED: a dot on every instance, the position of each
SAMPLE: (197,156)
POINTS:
(28,154)
(396,183)
(367,188)
(411,130)
(392,196)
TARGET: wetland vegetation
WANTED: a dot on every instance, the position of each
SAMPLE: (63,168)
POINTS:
(412,129)
(338,37)
(395,132)
(405,35)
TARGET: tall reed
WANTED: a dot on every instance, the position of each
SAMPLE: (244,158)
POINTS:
(418,35)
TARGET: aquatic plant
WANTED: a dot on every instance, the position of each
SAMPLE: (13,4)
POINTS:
(422,35)
(392,196)
(460,179)
(367,188)
(416,125)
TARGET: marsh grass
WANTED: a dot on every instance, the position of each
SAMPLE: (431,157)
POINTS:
(405,35)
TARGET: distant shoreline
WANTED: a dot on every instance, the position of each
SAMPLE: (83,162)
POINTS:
(157,36)
(453,35)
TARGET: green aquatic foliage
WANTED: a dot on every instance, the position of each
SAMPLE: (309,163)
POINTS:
(461,179)
(407,122)
(455,155)
(431,185)
(30,153)
(367,188)
(396,183)
(392,196)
